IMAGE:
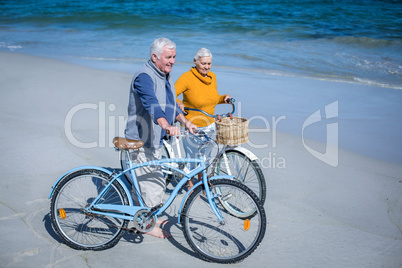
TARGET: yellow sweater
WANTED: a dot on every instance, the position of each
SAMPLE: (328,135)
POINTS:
(201,93)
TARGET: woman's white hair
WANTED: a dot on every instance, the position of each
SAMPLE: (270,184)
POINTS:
(158,45)
(202,52)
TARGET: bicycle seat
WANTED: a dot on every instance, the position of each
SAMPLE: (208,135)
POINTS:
(123,143)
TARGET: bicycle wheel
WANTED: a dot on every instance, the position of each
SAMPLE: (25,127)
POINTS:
(233,239)
(244,169)
(81,230)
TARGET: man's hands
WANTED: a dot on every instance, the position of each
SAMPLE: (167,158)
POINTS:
(173,130)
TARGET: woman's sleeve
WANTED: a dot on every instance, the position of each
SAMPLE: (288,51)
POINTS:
(222,99)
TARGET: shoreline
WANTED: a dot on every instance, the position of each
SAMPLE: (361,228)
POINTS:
(361,111)
(124,65)
(318,214)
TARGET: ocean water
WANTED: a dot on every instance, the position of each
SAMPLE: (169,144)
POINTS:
(351,41)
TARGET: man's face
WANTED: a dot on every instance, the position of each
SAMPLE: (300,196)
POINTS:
(166,60)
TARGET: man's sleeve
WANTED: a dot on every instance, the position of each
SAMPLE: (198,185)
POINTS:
(178,110)
(144,87)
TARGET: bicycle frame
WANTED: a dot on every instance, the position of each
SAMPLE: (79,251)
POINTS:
(174,149)
(127,212)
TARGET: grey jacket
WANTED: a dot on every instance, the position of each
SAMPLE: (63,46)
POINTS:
(140,123)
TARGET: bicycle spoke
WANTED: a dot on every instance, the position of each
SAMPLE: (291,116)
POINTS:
(80,229)
(244,170)
(231,239)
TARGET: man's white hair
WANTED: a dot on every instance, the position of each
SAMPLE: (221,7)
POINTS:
(158,45)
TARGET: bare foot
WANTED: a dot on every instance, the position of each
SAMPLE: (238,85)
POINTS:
(158,232)
(190,184)
(161,222)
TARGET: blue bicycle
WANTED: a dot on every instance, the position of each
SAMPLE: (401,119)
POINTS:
(223,220)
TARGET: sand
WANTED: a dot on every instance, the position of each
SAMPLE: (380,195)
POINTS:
(344,215)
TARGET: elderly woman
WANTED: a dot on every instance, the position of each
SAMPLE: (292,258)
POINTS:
(199,90)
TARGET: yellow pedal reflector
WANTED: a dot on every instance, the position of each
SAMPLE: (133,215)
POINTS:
(62,213)
(247,225)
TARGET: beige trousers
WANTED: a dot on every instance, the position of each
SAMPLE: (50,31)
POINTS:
(150,178)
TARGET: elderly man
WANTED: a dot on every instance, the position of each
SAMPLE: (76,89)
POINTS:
(152,110)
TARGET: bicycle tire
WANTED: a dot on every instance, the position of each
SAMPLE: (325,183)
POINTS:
(245,170)
(230,241)
(78,229)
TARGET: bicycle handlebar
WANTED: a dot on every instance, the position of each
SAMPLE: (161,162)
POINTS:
(231,101)
(197,134)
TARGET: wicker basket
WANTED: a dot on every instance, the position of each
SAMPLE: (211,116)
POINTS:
(232,131)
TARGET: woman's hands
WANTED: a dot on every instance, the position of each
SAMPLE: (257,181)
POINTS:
(190,127)
(181,105)
(227,98)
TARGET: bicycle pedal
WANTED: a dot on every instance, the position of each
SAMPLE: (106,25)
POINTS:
(155,208)
(133,230)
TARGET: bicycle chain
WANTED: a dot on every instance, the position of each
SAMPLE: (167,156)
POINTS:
(131,230)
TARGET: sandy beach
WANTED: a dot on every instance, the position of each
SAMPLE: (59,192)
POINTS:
(321,212)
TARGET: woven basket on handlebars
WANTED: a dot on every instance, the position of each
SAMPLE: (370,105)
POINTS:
(232,131)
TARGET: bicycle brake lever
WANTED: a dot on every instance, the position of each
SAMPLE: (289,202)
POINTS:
(202,133)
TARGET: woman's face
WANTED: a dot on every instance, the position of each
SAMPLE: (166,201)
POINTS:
(203,65)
